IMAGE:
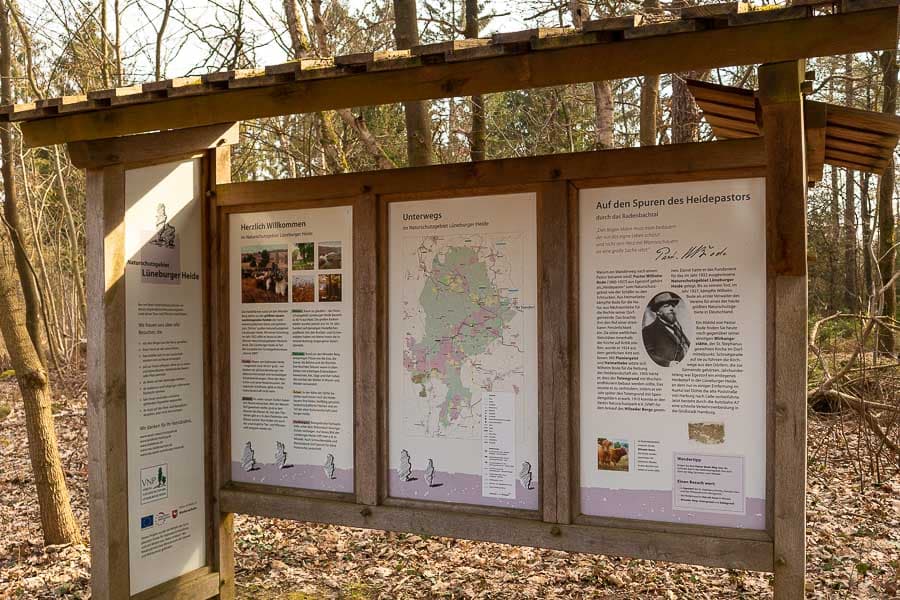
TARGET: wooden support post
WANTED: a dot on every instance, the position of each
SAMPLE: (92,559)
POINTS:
(107,471)
(107,163)
(553,270)
(221,539)
(365,347)
(815,117)
(781,105)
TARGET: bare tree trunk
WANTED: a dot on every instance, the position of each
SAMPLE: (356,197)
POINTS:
(476,138)
(604,122)
(418,122)
(851,291)
(299,42)
(10,203)
(118,41)
(57,520)
(104,58)
(333,151)
(160,33)
(603,101)
(649,95)
(850,267)
(834,231)
(866,220)
(886,251)
(685,112)
(26,46)
(834,226)
(72,234)
(356,124)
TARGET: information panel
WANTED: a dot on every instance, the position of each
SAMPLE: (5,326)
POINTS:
(463,400)
(164,382)
(673,379)
(291,322)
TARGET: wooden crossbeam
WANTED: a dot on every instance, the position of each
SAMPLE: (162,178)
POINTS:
(477,69)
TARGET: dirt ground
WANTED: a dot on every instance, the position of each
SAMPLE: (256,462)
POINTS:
(853,551)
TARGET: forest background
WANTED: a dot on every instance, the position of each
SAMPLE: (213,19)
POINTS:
(52,48)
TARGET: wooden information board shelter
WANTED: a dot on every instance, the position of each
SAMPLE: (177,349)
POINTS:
(177,253)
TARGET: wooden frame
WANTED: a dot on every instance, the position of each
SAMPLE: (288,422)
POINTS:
(546,417)
(523,62)
(107,164)
(557,524)
(364,416)
(514,61)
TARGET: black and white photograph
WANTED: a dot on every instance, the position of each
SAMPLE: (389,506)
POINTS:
(667,329)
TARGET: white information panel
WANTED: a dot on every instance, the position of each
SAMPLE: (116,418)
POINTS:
(291,323)
(673,365)
(164,360)
(463,402)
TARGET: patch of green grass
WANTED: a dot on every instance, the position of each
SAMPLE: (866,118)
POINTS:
(7,374)
(358,591)
(5,409)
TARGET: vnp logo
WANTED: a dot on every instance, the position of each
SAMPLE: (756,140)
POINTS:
(153,477)
(146,521)
(154,483)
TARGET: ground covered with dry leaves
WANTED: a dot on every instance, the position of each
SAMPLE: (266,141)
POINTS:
(853,540)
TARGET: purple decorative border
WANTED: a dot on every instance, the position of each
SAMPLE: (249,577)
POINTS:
(656,505)
(309,477)
(458,487)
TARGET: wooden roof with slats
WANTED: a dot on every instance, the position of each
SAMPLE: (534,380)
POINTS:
(856,139)
(706,36)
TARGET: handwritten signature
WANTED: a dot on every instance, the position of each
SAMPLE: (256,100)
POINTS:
(701,251)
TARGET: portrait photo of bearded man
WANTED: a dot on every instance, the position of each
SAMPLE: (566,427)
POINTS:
(664,337)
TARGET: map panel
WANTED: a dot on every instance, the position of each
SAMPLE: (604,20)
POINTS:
(463,362)
(462,305)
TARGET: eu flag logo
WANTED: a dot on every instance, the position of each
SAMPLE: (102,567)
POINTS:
(146,521)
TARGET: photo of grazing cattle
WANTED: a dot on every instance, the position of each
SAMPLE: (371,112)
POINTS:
(304,257)
(303,288)
(329,255)
(329,288)
(264,274)
(612,455)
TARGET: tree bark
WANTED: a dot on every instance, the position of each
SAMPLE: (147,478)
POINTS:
(299,43)
(649,95)
(104,58)
(851,289)
(72,235)
(57,520)
(604,123)
(834,233)
(685,112)
(356,124)
(476,138)
(418,121)
(11,198)
(866,220)
(160,33)
(118,41)
(603,100)
(849,234)
(886,252)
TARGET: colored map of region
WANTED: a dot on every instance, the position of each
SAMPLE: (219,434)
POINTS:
(461,301)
